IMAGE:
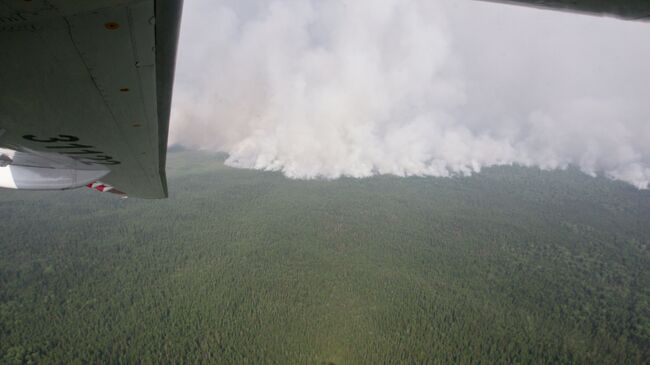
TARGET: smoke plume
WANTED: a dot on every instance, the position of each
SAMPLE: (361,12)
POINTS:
(412,87)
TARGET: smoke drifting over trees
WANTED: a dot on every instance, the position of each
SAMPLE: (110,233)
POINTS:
(356,88)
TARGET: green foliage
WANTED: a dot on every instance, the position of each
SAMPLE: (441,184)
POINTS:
(512,265)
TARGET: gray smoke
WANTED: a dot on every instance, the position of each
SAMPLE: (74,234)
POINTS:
(412,87)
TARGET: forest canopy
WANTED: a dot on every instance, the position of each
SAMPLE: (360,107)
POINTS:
(511,265)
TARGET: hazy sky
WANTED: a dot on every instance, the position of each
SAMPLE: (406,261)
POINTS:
(412,87)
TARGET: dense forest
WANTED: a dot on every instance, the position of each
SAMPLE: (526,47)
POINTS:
(510,266)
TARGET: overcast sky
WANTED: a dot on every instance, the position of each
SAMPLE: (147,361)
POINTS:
(412,87)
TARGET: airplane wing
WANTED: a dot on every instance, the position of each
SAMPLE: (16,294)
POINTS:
(624,9)
(85,93)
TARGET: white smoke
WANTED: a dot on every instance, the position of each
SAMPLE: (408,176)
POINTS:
(412,87)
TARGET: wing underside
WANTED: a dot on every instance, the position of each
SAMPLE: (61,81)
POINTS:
(624,9)
(91,81)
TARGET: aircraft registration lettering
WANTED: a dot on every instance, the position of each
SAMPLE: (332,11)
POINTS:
(19,28)
(12,19)
(65,142)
